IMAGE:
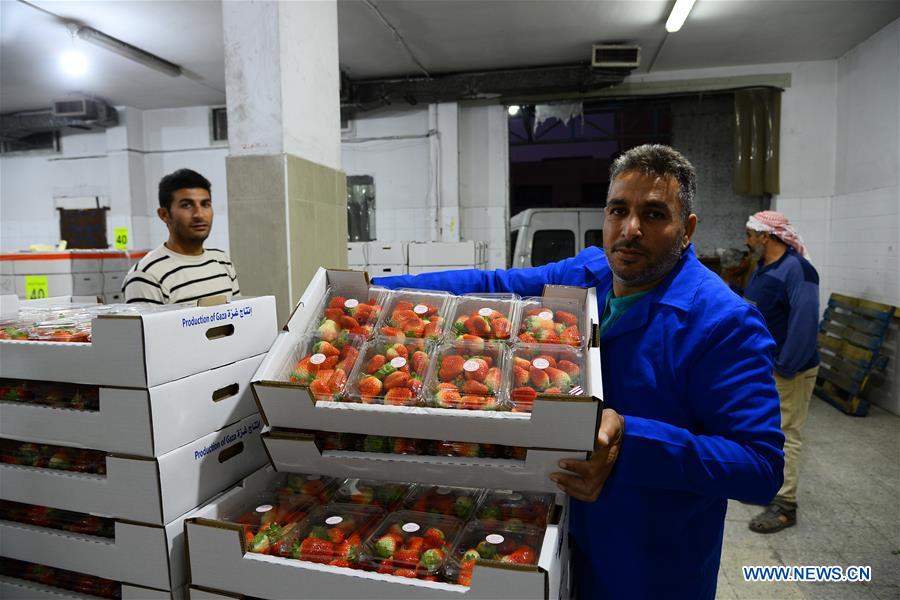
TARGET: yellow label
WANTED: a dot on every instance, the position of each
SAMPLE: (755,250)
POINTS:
(121,238)
(36,287)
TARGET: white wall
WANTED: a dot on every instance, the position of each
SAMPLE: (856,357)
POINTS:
(123,166)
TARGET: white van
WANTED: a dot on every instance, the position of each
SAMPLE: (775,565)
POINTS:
(539,236)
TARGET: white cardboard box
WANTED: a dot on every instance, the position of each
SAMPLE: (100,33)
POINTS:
(19,589)
(293,452)
(112,281)
(139,422)
(356,253)
(385,270)
(354,267)
(386,253)
(74,284)
(217,561)
(437,268)
(113,298)
(554,423)
(153,491)
(444,253)
(149,349)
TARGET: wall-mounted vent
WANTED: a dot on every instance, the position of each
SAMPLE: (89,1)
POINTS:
(219,124)
(83,107)
(40,142)
(615,56)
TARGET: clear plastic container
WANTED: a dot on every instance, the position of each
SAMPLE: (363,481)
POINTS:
(350,311)
(546,370)
(323,366)
(514,508)
(320,488)
(52,518)
(56,395)
(60,578)
(61,331)
(416,314)
(334,534)
(552,321)
(485,316)
(459,502)
(467,375)
(500,544)
(386,495)
(357,442)
(45,456)
(271,520)
(411,544)
(391,372)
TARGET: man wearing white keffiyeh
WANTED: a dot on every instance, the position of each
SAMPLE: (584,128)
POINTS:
(785,289)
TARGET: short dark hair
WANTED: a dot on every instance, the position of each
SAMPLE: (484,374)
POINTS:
(180,180)
(662,161)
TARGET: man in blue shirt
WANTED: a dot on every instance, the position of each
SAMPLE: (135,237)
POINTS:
(691,415)
(785,289)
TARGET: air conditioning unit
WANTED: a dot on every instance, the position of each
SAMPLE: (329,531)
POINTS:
(80,107)
(615,56)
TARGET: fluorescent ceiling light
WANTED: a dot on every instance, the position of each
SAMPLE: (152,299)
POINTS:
(679,13)
(89,34)
(513,110)
(73,63)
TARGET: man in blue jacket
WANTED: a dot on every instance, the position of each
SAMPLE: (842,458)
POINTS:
(691,415)
(785,289)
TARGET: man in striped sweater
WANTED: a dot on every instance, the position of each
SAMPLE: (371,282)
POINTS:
(181,269)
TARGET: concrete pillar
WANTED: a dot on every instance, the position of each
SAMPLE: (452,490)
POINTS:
(287,199)
(444,118)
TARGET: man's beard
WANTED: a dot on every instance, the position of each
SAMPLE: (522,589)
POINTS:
(655,271)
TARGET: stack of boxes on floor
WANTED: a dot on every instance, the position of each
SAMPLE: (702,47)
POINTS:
(108,445)
(382,259)
(88,274)
(366,496)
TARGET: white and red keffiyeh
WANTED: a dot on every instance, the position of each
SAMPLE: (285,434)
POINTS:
(770,221)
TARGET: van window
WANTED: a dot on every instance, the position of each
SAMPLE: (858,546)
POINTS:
(593,237)
(513,238)
(551,245)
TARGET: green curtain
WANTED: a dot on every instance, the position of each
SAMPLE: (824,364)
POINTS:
(757,126)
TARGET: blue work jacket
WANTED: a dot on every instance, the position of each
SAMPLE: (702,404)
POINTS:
(689,366)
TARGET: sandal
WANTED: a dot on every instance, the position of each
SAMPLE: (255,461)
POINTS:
(775,518)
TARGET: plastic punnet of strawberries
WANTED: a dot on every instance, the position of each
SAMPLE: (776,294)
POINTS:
(550,321)
(518,545)
(334,534)
(457,502)
(270,525)
(483,317)
(326,365)
(416,314)
(468,375)
(546,370)
(391,372)
(356,316)
(386,495)
(319,488)
(514,508)
(411,544)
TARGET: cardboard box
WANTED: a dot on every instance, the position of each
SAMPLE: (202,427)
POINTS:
(353,267)
(113,298)
(217,560)
(28,590)
(295,452)
(385,270)
(437,269)
(112,282)
(356,253)
(445,253)
(68,261)
(74,284)
(149,349)
(564,423)
(7,284)
(386,253)
(152,491)
(146,423)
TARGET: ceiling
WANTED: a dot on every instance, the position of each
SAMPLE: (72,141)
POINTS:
(443,35)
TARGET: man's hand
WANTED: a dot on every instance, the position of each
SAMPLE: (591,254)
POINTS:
(590,475)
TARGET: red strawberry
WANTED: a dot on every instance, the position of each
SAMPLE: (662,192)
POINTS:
(471,402)
(396,350)
(492,380)
(559,379)
(523,555)
(527,338)
(524,397)
(393,332)
(406,556)
(521,363)
(396,379)
(320,390)
(451,367)
(432,330)
(334,314)
(566,318)
(434,537)
(539,378)
(570,336)
(419,362)
(415,543)
(316,550)
(477,325)
(411,573)
(375,363)
(414,328)
(481,372)
(501,327)
(553,390)
(340,562)
(475,387)
(369,387)
(337,302)
(520,376)
(447,398)
(386,567)
(348,322)
(400,396)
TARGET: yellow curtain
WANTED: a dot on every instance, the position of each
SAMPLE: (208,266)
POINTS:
(757,125)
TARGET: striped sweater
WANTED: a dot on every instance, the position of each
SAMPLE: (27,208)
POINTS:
(166,277)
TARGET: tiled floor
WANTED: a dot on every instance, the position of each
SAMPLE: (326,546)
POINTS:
(849,513)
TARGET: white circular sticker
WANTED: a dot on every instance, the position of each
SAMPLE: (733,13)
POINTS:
(351,303)
(515,497)
(485,312)
(472,365)
(398,362)
(442,491)
(420,309)
(333,520)
(410,527)
(494,538)
(317,359)
(545,315)
(313,477)
(262,508)
(540,363)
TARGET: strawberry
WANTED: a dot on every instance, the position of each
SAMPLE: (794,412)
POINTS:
(375,363)
(523,555)
(474,343)
(385,546)
(520,376)
(393,332)
(406,556)
(539,378)
(348,322)
(320,390)
(328,330)
(419,362)
(434,537)
(337,302)
(432,559)
(492,380)
(472,402)
(370,387)
(553,390)
(559,379)
(570,336)
(386,567)
(334,314)
(566,318)
(478,325)
(415,543)
(480,372)
(315,550)
(338,380)
(340,562)
(396,379)
(521,363)
(447,398)
(432,330)
(501,327)
(527,338)
(524,397)
(475,387)
(451,367)
(411,573)
(395,350)
(399,396)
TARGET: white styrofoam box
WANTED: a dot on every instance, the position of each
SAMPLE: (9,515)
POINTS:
(150,348)
(356,253)
(7,284)
(113,298)
(217,561)
(386,253)
(153,491)
(141,555)
(140,422)
(294,452)
(418,270)
(385,270)
(29,590)
(60,263)
(87,284)
(112,281)
(58,285)
(355,267)
(423,254)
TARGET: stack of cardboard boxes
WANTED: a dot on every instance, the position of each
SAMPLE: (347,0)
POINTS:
(108,446)
(381,259)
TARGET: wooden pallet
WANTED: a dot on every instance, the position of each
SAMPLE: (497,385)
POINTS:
(850,337)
